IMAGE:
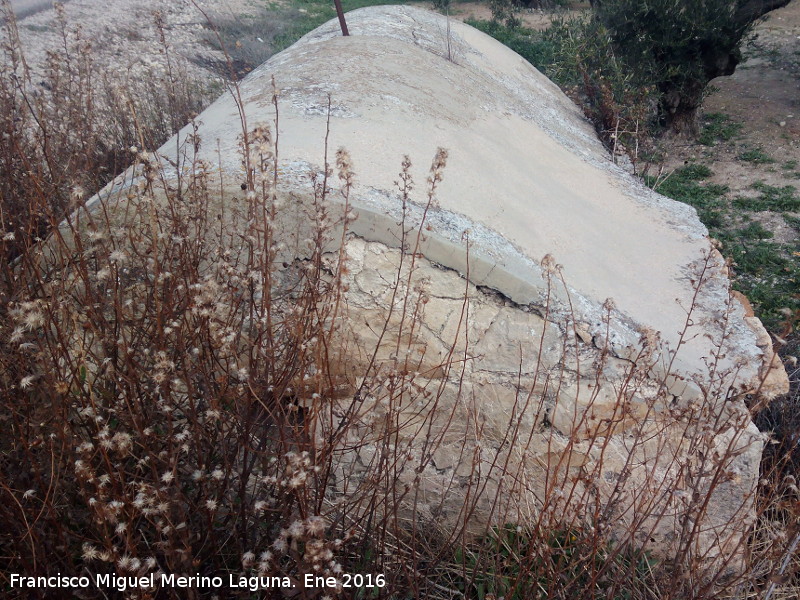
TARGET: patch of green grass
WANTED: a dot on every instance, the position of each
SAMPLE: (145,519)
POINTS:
(755,231)
(792,221)
(686,185)
(766,272)
(718,127)
(790,169)
(789,165)
(772,198)
(533,46)
(756,156)
(694,172)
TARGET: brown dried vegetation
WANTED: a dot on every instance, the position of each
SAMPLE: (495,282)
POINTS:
(176,399)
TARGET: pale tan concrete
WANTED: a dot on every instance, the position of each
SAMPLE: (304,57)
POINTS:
(526,174)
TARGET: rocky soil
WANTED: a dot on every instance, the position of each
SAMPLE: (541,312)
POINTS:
(125,39)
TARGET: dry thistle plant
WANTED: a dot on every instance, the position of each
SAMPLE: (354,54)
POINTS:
(67,127)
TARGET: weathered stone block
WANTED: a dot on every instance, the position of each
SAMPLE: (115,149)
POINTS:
(501,376)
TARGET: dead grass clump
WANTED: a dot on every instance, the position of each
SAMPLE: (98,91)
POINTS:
(67,130)
(248,40)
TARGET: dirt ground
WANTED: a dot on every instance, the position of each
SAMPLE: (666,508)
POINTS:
(123,36)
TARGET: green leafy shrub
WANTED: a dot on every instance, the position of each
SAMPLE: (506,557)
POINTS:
(618,99)
(681,45)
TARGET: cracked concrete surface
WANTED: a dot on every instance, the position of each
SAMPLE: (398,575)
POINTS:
(501,343)
(526,177)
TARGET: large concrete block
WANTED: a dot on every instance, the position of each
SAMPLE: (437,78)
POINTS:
(518,373)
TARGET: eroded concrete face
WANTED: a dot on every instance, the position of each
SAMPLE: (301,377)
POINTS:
(480,394)
(526,177)
(506,341)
